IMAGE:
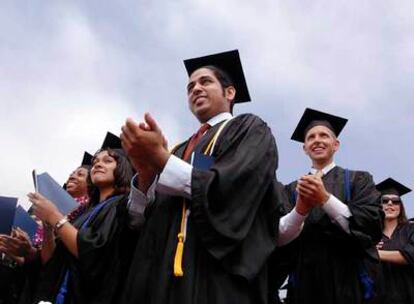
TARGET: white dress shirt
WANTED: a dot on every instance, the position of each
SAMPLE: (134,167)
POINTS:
(175,179)
(291,224)
(336,210)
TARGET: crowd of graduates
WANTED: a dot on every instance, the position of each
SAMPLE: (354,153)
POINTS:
(208,222)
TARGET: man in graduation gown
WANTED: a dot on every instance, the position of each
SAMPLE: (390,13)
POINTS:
(213,222)
(341,226)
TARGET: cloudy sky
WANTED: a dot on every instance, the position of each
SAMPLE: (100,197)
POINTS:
(72,70)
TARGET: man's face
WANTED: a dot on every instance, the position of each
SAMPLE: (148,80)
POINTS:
(206,96)
(320,144)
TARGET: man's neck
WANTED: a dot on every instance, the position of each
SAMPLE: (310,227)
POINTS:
(322,164)
(219,117)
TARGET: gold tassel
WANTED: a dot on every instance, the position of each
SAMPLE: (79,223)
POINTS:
(178,259)
(178,269)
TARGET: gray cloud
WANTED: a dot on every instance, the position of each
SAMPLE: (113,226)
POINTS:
(73,70)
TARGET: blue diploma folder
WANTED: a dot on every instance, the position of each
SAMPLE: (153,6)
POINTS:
(23,220)
(7,211)
(50,189)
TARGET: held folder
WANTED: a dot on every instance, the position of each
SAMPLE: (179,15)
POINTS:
(7,211)
(50,189)
(23,220)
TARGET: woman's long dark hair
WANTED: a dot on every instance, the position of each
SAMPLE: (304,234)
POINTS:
(122,174)
(402,217)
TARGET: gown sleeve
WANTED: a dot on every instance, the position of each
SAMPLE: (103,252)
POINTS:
(367,215)
(407,249)
(97,243)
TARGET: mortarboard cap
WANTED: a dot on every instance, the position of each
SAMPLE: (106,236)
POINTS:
(111,141)
(229,62)
(391,186)
(312,118)
(87,159)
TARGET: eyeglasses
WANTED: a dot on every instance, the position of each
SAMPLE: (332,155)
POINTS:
(394,200)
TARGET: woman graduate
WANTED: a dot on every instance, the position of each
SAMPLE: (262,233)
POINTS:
(30,254)
(92,253)
(19,244)
(78,186)
(396,249)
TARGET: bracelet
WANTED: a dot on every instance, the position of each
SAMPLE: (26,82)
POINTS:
(60,223)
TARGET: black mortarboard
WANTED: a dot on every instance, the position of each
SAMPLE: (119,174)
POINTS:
(312,118)
(111,141)
(87,159)
(230,63)
(391,186)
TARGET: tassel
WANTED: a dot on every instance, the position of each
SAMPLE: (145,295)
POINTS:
(178,269)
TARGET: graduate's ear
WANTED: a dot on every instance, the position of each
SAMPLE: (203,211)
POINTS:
(230,93)
(305,150)
(336,145)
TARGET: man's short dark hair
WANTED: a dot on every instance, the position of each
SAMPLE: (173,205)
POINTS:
(223,78)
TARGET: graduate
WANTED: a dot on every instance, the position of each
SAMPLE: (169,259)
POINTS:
(342,223)
(396,249)
(211,224)
(30,253)
(78,186)
(92,253)
(78,182)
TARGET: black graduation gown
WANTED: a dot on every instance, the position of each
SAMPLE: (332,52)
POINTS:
(281,260)
(231,229)
(398,280)
(105,247)
(32,271)
(328,260)
(11,280)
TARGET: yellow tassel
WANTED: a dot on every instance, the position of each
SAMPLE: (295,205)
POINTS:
(178,269)
(178,259)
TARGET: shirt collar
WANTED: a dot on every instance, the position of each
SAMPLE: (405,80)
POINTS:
(219,118)
(324,170)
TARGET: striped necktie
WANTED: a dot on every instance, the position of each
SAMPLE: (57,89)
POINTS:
(194,141)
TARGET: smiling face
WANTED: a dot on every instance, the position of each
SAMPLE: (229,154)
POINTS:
(206,96)
(77,184)
(391,204)
(103,167)
(320,145)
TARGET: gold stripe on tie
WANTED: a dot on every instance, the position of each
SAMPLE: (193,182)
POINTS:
(319,173)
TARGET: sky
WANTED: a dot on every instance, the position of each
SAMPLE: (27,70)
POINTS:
(72,70)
